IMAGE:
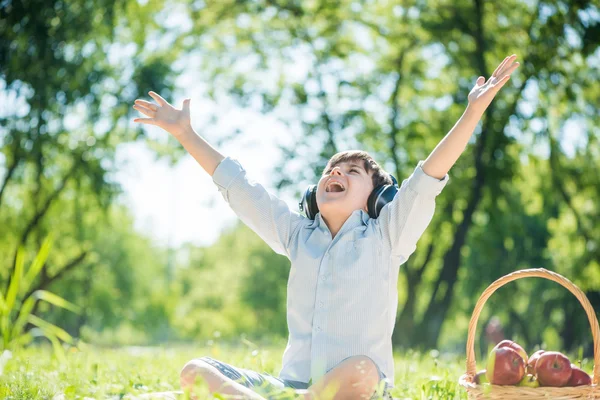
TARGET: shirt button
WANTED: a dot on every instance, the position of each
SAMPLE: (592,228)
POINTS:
(323,278)
(321,304)
(318,329)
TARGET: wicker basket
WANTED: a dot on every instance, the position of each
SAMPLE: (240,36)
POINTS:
(517,392)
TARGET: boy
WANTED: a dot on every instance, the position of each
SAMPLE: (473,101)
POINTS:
(342,291)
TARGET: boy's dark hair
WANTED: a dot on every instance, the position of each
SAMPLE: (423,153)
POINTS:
(379,177)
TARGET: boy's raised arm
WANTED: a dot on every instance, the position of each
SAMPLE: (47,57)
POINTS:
(405,218)
(443,157)
(177,123)
(267,215)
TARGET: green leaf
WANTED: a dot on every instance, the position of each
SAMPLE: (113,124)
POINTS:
(2,303)
(15,282)
(59,352)
(38,263)
(56,300)
(47,327)
(23,315)
(41,332)
(22,340)
(29,303)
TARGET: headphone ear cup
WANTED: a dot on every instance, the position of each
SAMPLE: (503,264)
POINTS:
(371,202)
(309,202)
(314,208)
(380,196)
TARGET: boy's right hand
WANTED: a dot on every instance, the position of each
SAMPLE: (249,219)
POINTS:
(164,115)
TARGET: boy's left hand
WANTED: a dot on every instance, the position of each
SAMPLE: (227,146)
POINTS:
(483,93)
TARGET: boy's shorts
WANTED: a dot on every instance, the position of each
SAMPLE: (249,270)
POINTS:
(272,386)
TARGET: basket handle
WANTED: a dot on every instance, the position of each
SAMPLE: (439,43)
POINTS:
(527,273)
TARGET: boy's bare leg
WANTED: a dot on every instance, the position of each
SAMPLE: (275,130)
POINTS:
(217,382)
(354,378)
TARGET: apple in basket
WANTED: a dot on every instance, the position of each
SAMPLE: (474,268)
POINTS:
(529,381)
(578,377)
(553,369)
(505,366)
(533,360)
(515,346)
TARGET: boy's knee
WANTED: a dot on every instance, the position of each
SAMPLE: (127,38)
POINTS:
(365,373)
(195,370)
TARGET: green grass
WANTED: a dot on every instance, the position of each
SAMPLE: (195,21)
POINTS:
(119,373)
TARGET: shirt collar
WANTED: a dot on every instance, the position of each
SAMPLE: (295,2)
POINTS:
(355,219)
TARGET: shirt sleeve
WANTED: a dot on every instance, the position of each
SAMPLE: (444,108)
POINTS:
(403,220)
(263,212)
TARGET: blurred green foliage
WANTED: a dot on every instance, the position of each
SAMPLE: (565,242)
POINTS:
(387,77)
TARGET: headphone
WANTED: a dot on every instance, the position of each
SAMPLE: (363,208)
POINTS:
(378,198)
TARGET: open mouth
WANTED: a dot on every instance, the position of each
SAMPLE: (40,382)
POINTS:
(335,187)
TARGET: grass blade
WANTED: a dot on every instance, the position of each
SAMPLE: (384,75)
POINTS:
(22,318)
(50,328)
(2,303)
(15,282)
(21,340)
(59,352)
(56,300)
(38,263)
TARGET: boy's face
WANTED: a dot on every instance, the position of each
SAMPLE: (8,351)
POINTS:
(356,183)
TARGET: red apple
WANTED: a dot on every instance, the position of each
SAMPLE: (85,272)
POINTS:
(515,346)
(533,360)
(529,381)
(505,366)
(553,369)
(480,377)
(579,377)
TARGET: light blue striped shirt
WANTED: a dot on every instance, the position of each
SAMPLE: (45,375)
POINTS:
(342,294)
